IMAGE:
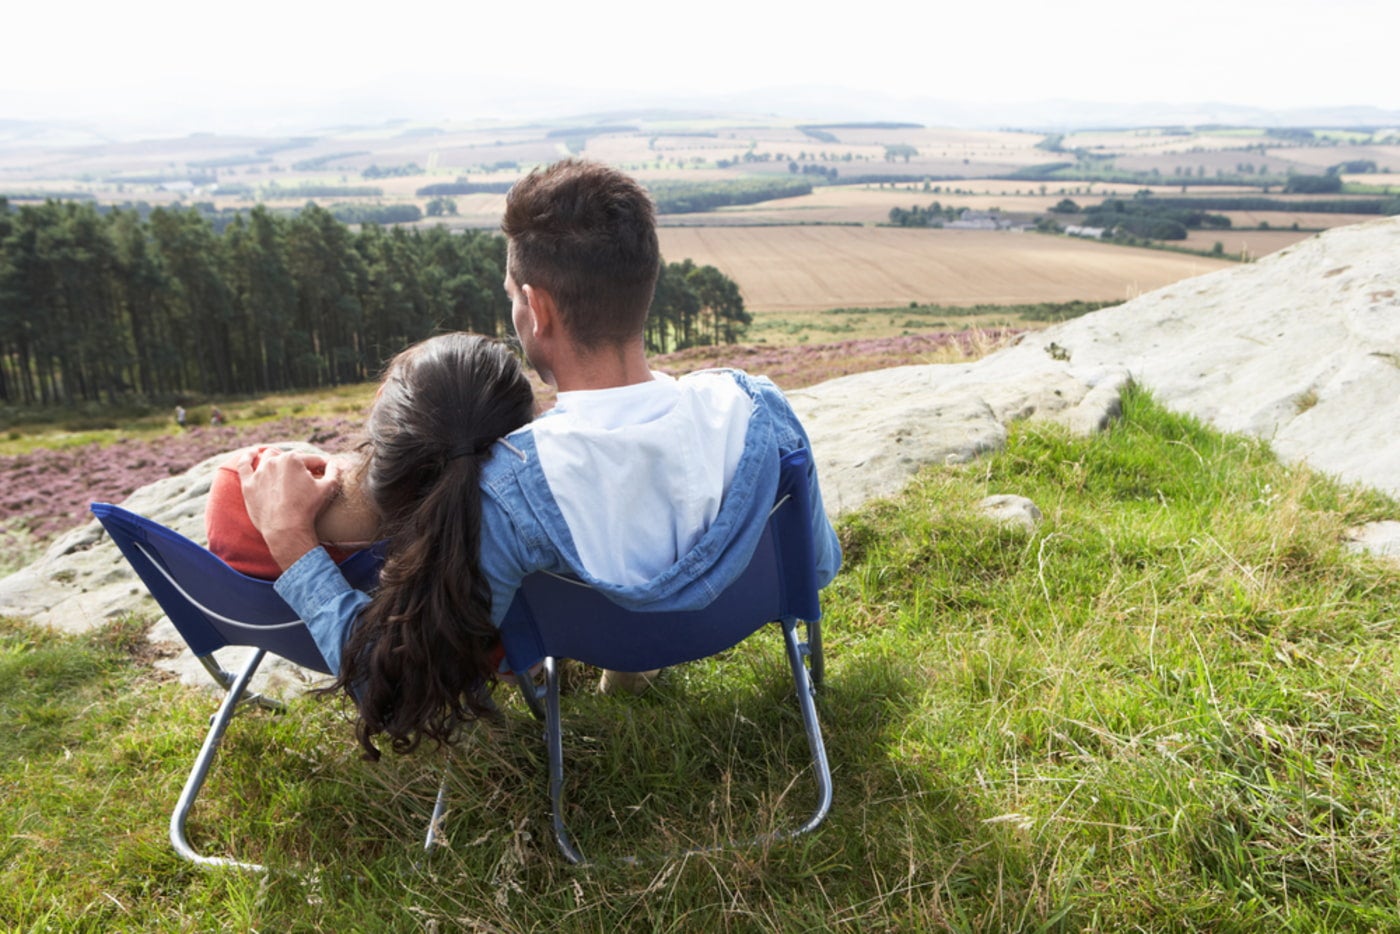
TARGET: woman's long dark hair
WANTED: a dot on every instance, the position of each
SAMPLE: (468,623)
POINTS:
(418,660)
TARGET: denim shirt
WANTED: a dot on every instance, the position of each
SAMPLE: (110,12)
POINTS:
(523,531)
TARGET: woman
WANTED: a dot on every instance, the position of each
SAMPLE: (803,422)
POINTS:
(423,647)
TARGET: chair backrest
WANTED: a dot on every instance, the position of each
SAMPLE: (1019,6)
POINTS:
(210,603)
(561,617)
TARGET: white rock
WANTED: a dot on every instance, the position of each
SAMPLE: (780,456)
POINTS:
(1380,538)
(1011,510)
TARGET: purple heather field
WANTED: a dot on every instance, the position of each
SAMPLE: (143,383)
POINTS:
(46,492)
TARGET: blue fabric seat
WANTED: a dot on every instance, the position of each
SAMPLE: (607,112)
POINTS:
(554,618)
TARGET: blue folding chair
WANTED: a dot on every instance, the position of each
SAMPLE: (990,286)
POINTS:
(551,618)
(554,618)
(214,606)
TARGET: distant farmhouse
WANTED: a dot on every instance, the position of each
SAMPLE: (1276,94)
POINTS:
(981,220)
(1093,233)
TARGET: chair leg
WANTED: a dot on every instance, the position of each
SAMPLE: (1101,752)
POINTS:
(814,652)
(439,807)
(554,743)
(217,725)
(531,692)
(805,690)
(224,679)
(797,652)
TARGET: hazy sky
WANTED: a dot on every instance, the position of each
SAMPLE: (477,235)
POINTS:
(259,59)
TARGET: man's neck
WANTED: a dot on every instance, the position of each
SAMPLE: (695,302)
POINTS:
(607,368)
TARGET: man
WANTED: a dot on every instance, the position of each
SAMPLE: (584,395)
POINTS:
(648,488)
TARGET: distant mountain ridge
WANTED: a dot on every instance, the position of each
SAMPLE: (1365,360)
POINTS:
(835,103)
(805,104)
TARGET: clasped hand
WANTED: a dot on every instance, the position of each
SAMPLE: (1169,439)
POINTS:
(284,492)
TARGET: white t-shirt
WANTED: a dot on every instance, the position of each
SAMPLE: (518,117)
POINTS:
(639,471)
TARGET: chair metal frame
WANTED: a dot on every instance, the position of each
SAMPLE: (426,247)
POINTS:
(214,607)
(555,617)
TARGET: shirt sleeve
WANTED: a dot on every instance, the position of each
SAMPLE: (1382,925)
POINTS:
(324,600)
(503,556)
(826,546)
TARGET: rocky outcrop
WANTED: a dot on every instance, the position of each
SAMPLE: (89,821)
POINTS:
(1301,349)
(873,431)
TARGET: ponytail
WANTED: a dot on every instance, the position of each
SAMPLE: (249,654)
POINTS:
(419,661)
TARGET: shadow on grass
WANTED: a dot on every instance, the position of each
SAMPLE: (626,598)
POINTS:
(715,752)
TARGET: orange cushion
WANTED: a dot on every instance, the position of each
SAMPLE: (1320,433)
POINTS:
(232,535)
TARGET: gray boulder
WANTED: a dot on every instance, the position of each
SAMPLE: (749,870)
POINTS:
(1011,511)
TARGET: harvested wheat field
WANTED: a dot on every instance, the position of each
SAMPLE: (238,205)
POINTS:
(799,268)
(1307,220)
(1250,244)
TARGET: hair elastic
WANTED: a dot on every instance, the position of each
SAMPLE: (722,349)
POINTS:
(469,450)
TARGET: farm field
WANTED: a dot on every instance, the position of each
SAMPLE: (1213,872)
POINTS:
(796,268)
(1245,240)
(865,203)
(1145,140)
(936,150)
(869,206)
(1305,219)
(1250,244)
(1386,156)
(1375,178)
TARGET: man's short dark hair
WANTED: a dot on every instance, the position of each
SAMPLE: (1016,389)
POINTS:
(586,233)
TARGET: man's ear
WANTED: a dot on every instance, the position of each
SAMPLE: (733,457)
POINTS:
(543,311)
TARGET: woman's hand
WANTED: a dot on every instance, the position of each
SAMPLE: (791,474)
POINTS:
(285,491)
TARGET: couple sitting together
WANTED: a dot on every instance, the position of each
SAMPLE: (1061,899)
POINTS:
(637,483)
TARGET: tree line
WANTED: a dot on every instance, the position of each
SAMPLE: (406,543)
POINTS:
(1260,203)
(116,307)
(1099,168)
(1151,218)
(695,197)
(932,216)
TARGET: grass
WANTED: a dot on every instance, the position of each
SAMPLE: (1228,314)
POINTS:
(1172,706)
(1367,188)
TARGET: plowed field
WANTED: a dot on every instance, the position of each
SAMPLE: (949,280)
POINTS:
(801,268)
